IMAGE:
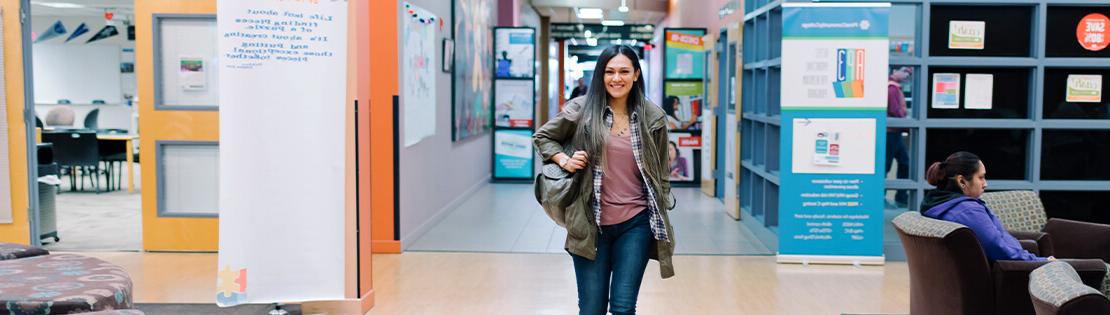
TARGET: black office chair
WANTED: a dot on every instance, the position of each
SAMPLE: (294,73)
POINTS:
(92,119)
(38,122)
(114,154)
(75,150)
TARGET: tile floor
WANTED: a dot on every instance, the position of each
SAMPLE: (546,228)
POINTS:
(505,218)
(108,221)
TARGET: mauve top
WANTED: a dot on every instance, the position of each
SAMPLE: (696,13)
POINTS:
(622,187)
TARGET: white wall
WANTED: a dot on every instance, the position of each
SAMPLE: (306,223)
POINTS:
(436,173)
(111,115)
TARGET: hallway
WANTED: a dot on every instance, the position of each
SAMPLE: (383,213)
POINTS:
(505,218)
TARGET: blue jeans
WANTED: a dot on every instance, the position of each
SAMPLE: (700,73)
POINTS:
(614,277)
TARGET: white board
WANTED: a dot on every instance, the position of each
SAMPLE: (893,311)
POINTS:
(78,73)
(282,151)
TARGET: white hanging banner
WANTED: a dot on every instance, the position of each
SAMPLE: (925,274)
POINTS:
(283,71)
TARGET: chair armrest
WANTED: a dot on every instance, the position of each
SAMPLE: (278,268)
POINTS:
(1075,239)
(1011,281)
(1044,246)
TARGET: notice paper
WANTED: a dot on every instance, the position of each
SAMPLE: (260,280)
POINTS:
(967,34)
(946,90)
(978,91)
(1084,88)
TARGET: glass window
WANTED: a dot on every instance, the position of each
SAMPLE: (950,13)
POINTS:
(1075,155)
(1004,151)
(903,30)
(1007,30)
(892,244)
(900,158)
(1056,104)
(1062,39)
(188,179)
(1089,206)
(1009,97)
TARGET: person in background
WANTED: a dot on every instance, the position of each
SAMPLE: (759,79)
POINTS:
(960,181)
(895,147)
(679,171)
(580,89)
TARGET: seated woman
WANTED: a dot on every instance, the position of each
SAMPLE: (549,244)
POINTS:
(960,180)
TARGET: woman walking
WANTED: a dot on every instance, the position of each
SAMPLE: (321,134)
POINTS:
(615,141)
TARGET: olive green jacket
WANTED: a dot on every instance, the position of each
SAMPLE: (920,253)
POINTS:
(582,231)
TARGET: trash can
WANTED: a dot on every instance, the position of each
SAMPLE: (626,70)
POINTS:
(48,188)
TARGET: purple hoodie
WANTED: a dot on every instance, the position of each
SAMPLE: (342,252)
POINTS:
(996,241)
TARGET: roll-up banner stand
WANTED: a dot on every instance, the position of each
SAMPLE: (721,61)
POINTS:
(684,101)
(834,62)
(282,93)
(514,104)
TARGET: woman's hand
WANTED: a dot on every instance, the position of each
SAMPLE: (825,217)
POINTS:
(572,163)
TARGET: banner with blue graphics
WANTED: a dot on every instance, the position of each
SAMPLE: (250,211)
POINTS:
(512,154)
(834,65)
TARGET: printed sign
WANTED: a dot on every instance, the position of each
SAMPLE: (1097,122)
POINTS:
(1091,32)
(849,73)
(979,91)
(680,150)
(516,53)
(513,103)
(1084,88)
(682,102)
(685,54)
(967,34)
(512,154)
(946,90)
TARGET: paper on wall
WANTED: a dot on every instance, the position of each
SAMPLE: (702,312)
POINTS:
(946,90)
(967,35)
(978,91)
(1084,88)
(191,73)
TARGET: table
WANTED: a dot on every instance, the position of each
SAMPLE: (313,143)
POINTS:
(130,141)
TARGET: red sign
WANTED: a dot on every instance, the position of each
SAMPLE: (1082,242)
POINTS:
(693,141)
(1091,32)
(688,39)
(520,123)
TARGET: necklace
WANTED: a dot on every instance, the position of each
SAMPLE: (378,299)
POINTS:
(620,126)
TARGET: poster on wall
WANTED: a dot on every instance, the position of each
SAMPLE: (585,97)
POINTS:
(418,82)
(307,107)
(474,21)
(967,35)
(681,149)
(683,102)
(685,54)
(516,53)
(192,76)
(513,103)
(946,90)
(831,180)
(512,154)
(1091,32)
(979,91)
(1083,88)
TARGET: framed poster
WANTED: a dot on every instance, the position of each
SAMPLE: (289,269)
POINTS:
(683,102)
(512,154)
(514,103)
(946,90)
(515,55)
(683,148)
(684,53)
(473,80)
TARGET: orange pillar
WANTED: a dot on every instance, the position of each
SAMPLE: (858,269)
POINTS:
(383,89)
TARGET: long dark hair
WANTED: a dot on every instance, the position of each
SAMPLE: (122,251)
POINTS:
(668,105)
(592,132)
(943,174)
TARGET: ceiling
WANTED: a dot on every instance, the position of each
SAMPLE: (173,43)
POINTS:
(640,11)
(122,8)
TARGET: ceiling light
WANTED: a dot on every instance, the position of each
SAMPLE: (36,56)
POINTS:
(591,41)
(588,34)
(612,23)
(60,5)
(623,7)
(590,13)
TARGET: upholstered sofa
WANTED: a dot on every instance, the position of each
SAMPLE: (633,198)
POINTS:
(1056,289)
(950,274)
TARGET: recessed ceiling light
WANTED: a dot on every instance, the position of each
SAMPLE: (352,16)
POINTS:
(623,7)
(60,5)
(612,23)
(590,13)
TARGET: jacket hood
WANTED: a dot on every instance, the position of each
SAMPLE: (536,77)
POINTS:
(937,197)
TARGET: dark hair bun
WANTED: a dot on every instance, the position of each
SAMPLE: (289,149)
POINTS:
(935,174)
